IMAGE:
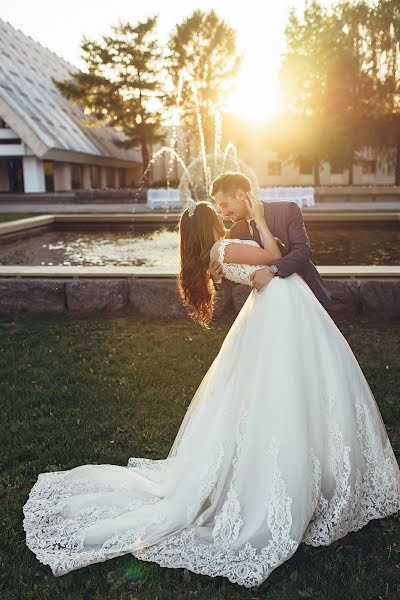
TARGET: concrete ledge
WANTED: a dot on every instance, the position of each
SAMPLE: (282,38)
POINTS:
(173,217)
(17,271)
(25,224)
(378,298)
(335,271)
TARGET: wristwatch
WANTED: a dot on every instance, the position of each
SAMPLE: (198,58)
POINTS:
(274,269)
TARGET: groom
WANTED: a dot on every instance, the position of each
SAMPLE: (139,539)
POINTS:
(285,221)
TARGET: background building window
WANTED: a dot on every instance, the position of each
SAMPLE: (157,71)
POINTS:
(305,166)
(274,167)
(368,167)
(95,176)
(336,167)
(15,175)
(49,175)
(76,177)
(110,177)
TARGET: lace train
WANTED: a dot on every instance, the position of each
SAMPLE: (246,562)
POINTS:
(58,541)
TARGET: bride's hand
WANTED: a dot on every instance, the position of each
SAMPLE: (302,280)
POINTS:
(255,207)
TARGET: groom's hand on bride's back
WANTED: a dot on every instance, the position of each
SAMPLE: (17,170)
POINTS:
(261,278)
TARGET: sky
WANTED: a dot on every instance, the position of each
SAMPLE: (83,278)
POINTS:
(260,25)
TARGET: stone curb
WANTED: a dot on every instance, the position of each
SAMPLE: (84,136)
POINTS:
(376,297)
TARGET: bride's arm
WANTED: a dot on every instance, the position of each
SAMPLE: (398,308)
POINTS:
(251,255)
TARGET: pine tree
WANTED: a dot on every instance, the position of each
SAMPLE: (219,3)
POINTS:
(121,87)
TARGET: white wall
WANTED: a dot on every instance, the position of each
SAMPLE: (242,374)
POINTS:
(62,177)
(33,170)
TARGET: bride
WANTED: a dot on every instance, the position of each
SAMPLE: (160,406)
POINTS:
(282,443)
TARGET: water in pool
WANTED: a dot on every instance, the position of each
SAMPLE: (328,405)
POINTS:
(332,243)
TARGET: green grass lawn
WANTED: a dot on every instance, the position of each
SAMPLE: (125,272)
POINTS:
(15,216)
(78,390)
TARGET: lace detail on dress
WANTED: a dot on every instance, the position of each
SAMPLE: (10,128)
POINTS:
(380,477)
(58,539)
(240,431)
(279,517)
(239,273)
(146,463)
(61,540)
(207,482)
(338,516)
(246,566)
(318,502)
(332,522)
(229,521)
(373,495)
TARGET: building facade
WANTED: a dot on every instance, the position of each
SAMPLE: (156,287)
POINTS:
(44,143)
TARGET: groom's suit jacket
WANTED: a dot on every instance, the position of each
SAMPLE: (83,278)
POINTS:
(285,221)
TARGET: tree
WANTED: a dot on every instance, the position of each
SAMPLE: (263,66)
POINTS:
(383,60)
(121,86)
(322,85)
(205,46)
(340,82)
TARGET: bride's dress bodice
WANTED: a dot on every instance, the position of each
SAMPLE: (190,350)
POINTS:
(239,273)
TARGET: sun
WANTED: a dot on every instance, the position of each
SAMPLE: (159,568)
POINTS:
(255,98)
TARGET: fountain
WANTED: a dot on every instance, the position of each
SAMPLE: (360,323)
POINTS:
(118,262)
(197,176)
(192,180)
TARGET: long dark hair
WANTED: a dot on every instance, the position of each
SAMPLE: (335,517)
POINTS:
(195,284)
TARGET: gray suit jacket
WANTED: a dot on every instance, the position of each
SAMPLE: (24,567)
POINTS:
(285,221)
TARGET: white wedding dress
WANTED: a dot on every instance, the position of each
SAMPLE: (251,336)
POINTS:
(282,443)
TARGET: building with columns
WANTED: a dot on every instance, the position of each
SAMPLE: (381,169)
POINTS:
(44,145)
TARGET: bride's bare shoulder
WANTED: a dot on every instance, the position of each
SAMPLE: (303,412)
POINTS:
(217,250)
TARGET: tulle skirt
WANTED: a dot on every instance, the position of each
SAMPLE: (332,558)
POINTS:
(282,443)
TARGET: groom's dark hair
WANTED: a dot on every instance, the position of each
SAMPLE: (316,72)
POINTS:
(229,182)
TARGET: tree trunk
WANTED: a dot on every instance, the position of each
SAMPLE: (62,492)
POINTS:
(145,162)
(350,181)
(316,171)
(397,170)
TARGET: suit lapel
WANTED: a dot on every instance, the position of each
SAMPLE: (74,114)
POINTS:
(240,231)
(269,216)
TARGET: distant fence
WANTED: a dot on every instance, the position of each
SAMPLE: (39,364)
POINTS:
(324,193)
(303,196)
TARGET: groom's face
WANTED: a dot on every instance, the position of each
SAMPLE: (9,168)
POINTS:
(232,204)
